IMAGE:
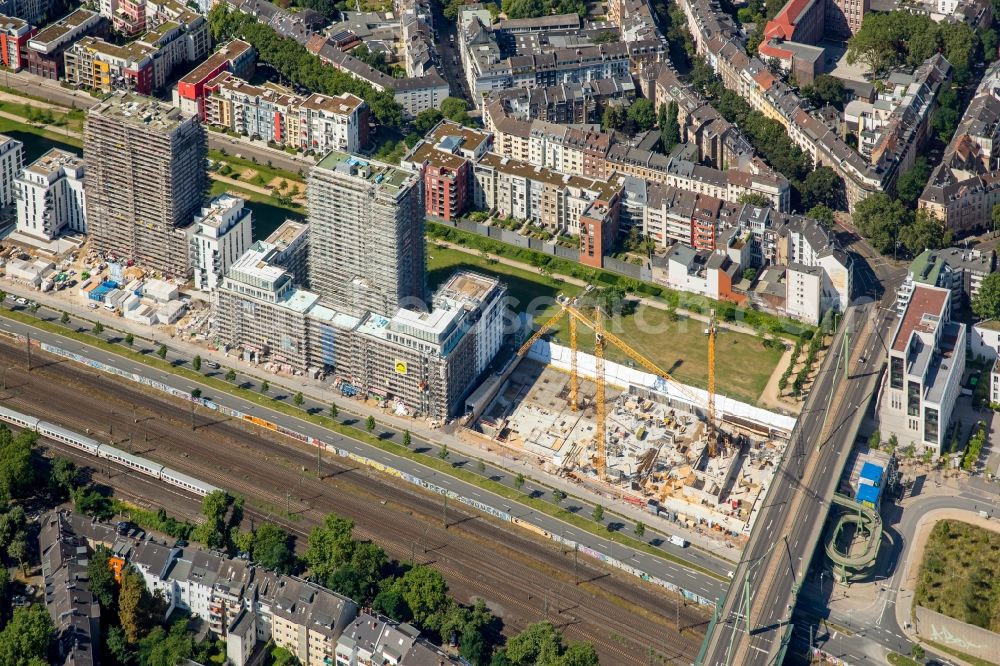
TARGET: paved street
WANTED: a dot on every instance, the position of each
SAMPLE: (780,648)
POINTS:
(876,624)
(704,585)
(37,86)
(777,557)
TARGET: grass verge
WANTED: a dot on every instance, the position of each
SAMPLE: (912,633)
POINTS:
(897,659)
(157,521)
(357,434)
(975,661)
(602,278)
(262,168)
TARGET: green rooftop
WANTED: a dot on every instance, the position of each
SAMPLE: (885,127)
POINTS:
(926,268)
(386,176)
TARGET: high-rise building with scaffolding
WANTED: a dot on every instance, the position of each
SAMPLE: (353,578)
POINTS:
(146,180)
(366,231)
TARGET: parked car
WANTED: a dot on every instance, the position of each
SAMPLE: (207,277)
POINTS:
(213,365)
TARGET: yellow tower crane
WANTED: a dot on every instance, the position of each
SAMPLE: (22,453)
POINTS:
(600,408)
(602,338)
(572,364)
(710,433)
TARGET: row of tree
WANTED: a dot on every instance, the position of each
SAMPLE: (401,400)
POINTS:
(294,63)
(813,186)
(518,9)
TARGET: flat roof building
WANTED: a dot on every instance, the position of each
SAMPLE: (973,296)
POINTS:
(366,248)
(147,179)
(50,195)
(926,361)
(220,235)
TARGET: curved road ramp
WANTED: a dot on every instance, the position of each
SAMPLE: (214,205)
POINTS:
(865,524)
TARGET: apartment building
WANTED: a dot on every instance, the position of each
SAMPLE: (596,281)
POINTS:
(50,196)
(254,111)
(422,361)
(370,639)
(240,603)
(926,360)
(333,123)
(958,270)
(14,36)
(292,241)
(995,382)
(804,245)
(260,309)
(965,186)
(444,159)
(237,57)
(11,163)
(141,66)
(414,94)
(366,233)
(146,180)
(34,12)
(711,274)
(75,613)
(99,65)
(220,235)
(598,155)
(44,54)
(565,103)
(489,67)
(318,123)
(549,199)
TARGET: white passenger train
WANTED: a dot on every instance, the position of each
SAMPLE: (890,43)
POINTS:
(95,448)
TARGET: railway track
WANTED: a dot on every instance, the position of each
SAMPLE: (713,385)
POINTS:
(506,572)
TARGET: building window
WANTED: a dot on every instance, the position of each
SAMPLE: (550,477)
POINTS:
(913,398)
(931,425)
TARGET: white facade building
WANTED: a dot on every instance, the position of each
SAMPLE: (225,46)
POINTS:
(995,382)
(984,340)
(926,362)
(11,163)
(220,235)
(804,292)
(50,195)
(333,123)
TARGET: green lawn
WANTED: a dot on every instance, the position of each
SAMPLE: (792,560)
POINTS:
(268,214)
(268,172)
(38,141)
(743,364)
(958,574)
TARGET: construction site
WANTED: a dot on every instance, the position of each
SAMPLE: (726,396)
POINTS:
(700,460)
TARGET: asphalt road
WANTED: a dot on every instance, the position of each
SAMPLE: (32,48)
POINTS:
(694,581)
(778,554)
(875,629)
(51,91)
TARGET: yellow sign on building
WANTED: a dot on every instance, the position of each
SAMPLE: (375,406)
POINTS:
(400,367)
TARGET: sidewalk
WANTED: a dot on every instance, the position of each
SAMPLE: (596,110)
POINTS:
(643,300)
(496,455)
(908,584)
(768,398)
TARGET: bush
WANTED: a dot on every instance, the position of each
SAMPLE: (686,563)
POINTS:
(975,447)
